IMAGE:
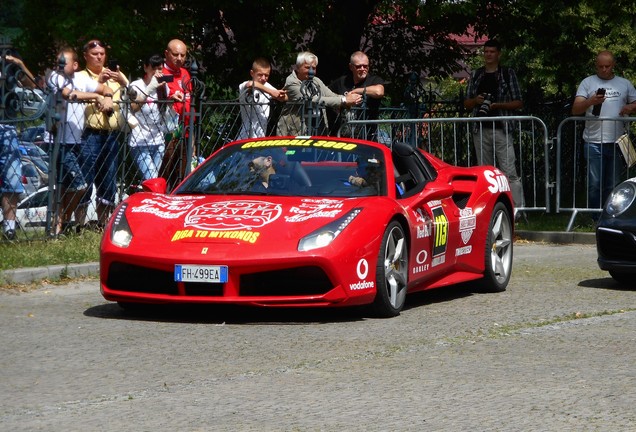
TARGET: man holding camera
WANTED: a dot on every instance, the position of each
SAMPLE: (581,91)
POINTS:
(606,95)
(179,87)
(493,91)
(177,77)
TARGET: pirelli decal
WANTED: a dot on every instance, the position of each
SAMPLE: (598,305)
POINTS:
(440,222)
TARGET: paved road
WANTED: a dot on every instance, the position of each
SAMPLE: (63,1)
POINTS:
(555,352)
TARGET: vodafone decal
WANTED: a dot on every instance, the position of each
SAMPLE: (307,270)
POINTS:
(362,270)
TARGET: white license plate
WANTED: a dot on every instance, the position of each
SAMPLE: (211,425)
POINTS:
(200,273)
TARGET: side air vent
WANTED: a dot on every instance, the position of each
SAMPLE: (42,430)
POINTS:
(461,199)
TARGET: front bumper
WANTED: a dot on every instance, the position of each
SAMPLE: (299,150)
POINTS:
(616,249)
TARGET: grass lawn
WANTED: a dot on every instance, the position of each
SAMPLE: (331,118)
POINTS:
(73,249)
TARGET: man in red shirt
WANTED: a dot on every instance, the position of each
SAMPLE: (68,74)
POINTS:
(179,89)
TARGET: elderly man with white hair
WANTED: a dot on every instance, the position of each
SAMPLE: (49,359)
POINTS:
(303,86)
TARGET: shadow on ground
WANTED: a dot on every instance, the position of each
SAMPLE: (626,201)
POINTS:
(605,283)
(246,315)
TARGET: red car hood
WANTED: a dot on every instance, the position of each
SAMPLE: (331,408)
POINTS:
(168,222)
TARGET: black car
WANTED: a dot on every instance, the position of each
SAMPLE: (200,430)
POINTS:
(616,234)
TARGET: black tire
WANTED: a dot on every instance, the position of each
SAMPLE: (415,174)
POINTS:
(391,272)
(498,251)
(622,278)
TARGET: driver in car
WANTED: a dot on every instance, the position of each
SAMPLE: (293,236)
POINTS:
(262,167)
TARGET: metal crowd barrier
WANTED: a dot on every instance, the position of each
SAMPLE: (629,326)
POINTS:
(218,122)
(451,139)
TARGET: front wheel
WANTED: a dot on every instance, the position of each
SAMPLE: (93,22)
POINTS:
(498,251)
(391,272)
(622,278)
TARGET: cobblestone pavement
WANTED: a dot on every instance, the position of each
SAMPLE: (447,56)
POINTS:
(555,352)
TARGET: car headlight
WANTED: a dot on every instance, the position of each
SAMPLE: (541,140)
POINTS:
(324,236)
(120,233)
(621,198)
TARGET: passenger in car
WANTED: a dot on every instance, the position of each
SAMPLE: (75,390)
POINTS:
(369,173)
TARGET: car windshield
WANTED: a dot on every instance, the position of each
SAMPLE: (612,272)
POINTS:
(300,167)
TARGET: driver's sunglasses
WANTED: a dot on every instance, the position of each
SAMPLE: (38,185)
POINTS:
(94,44)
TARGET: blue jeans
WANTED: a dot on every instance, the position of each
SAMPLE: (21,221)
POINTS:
(70,172)
(604,168)
(99,164)
(148,159)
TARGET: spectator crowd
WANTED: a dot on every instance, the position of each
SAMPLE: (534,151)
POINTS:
(98,102)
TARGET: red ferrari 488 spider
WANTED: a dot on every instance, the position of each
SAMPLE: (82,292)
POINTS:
(307,222)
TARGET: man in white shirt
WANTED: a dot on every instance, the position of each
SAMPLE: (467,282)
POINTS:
(617,98)
(255,96)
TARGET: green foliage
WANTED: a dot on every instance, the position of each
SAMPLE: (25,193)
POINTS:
(551,45)
(417,37)
(133,29)
(448,88)
(554,48)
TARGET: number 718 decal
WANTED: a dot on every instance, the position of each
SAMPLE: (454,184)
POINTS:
(440,224)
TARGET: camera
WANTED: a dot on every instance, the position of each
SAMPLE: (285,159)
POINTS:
(165,78)
(113,65)
(484,108)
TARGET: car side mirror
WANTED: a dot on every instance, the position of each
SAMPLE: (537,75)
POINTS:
(157,185)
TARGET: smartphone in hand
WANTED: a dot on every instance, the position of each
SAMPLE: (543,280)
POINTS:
(596,111)
(165,78)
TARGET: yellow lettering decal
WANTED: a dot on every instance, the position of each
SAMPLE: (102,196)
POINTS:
(182,234)
(440,225)
(441,235)
(300,143)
